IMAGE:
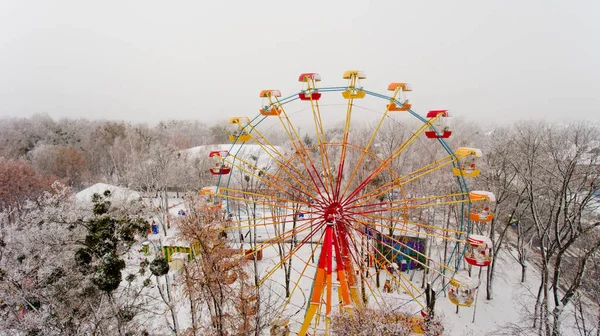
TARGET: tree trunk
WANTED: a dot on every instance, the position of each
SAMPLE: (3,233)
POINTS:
(167,219)
(490,281)
(256,278)
(172,306)
(556,313)
(446,248)
(490,270)
(192,305)
(363,289)
(536,308)
(167,300)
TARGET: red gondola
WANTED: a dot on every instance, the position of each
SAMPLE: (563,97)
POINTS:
(220,168)
(443,131)
(309,92)
(478,251)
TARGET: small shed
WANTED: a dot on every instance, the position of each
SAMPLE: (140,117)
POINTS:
(172,246)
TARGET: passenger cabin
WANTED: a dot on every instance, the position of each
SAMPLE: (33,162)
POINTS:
(401,89)
(439,128)
(478,251)
(354,90)
(270,108)
(239,133)
(462,289)
(220,167)
(309,90)
(481,203)
(210,196)
(467,162)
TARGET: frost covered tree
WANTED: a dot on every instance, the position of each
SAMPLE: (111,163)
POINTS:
(499,175)
(107,238)
(18,183)
(216,280)
(558,168)
(61,270)
(64,162)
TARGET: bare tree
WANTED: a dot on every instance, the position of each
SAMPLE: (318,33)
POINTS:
(560,178)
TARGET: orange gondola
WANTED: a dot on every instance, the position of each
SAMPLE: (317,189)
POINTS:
(269,107)
(402,88)
(481,203)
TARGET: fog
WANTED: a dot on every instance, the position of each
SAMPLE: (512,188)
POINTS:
(146,61)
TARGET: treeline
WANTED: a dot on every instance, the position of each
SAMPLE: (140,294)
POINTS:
(36,151)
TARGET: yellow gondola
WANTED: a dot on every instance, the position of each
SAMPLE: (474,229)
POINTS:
(462,290)
(239,132)
(467,162)
(354,91)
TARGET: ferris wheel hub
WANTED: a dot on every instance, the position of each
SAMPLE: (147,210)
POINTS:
(333,212)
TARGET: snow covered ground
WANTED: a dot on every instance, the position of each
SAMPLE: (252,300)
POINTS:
(494,317)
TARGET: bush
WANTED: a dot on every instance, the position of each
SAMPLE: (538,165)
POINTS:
(159,267)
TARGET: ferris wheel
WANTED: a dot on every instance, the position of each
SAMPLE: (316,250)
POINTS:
(368,209)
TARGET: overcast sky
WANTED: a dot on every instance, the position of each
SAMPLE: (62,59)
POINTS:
(156,60)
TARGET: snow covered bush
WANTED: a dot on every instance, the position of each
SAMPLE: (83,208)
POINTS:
(159,267)
(367,322)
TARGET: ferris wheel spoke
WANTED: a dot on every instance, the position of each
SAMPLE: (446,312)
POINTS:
(254,197)
(388,161)
(408,288)
(386,238)
(323,153)
(300,148)
(344,144)
(282,238)
(291,253)
(248,197)
(267,221)
(403,228)
(369,143)
(324,194)
(403,180)
(305,267)
(281,164)
(267,178)
(399,205)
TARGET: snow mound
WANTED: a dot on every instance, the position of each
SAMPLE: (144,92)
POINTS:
(118,194)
